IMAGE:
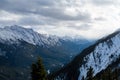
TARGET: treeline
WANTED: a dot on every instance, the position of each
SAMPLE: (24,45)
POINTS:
(39,73)
(107,74)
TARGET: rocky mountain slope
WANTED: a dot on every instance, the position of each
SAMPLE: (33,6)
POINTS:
(105,52)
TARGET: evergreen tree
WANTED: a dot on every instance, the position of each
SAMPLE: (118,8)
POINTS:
(83,78)
(109,71)
(104,75)
(38,71)
(116,72)
(108,74)
(90,74)
(34,72)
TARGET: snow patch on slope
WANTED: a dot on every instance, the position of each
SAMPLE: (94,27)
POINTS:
(104,54)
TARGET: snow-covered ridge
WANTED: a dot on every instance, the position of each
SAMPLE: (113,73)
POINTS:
(102,56)
(15,33)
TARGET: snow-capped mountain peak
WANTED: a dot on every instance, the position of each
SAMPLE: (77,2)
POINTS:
(15,33)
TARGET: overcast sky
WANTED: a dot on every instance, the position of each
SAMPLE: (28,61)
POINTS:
(91,19)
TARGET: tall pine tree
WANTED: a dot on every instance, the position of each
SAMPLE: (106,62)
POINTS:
(90,74)
(38,71)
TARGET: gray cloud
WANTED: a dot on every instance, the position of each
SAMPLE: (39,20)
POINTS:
(54,16)
(83,26)
(102,2)
(45,8)
(30,21)
(99,19)
(7,22)
(44,14)
(58,13)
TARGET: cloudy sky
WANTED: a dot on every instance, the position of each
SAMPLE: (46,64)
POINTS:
(91,19)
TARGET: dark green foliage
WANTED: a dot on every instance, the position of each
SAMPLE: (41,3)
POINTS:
(90,74)
(116,74)
(83,78)
(108,74)
(34,72)
(38,71)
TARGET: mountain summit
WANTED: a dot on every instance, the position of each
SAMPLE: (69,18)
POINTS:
(16,33)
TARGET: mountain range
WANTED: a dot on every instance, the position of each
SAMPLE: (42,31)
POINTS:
(20,47)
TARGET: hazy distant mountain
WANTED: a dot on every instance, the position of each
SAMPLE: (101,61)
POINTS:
(20,47)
